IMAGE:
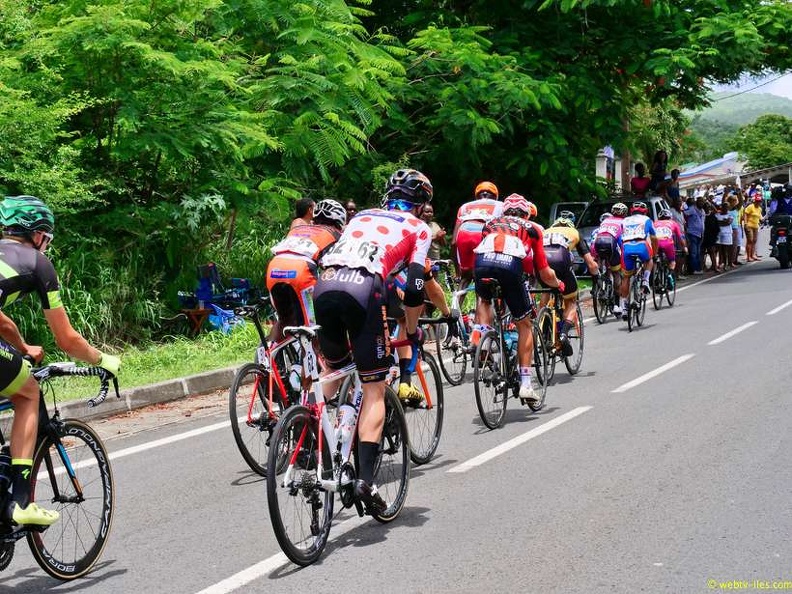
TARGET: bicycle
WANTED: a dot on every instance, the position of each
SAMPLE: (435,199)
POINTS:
(496,377)
(636,297)
(71,468)
(261,391)
(454,348)
(603,293)
(663,282)
(310,460)
(549,320)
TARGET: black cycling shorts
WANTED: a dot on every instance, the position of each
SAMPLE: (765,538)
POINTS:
(349,305)
(607,249)
(560,260)
(508,271)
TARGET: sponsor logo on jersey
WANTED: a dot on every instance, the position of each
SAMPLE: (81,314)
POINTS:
(283,273)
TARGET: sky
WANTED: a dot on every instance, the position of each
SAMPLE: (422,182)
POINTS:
(774,84)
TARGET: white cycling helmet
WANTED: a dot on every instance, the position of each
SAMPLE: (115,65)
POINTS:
(331,212)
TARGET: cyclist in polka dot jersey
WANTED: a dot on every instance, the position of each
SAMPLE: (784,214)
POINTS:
(350,303)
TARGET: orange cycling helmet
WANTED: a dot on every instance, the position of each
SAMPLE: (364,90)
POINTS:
(486,186)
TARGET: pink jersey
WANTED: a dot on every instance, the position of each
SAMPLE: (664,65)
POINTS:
(381,241)
(668,232)
(479,210)
(611,226)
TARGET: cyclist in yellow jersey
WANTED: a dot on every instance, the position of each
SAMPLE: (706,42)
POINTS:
(27,232)
(560,239)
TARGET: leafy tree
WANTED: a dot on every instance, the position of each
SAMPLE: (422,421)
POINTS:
(767,142)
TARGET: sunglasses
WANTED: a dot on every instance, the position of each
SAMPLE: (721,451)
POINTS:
(399,204)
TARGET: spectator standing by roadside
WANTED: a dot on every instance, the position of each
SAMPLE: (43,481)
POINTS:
(657,172)
(752,216)
(709,241)
(303,212)
(438,233)
(734,212)
(694,231)
(672,186)
(351,209)
(640,183)
(725,237)
(683,265)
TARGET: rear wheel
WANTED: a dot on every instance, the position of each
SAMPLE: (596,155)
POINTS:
(253,417)
(671,284)
(69,548)
(544,322)
(392,470)
(490,384)
(599,300)
(575,336)
(300,510)
(640,300)
(658,286)
(632,304)
(542,362)
(425,418)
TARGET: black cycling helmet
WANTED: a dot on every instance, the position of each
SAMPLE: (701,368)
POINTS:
(25,214)
(410,185)
(567,214)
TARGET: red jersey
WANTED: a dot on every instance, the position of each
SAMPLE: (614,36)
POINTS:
(515,237)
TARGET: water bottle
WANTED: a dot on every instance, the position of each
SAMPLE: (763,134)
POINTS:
(5,472)
(510,337)
(345,422)
(295,377)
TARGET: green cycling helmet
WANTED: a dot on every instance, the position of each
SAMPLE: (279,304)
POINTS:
(26,213)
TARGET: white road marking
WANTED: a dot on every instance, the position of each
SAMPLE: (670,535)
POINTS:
(728,335)
(772,312)
(269,564)
(647,376)
(519,440)
(168,440)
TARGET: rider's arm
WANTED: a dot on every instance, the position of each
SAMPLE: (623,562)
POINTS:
(10,333)
(68,339)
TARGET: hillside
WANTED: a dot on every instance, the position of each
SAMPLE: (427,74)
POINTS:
(739,110)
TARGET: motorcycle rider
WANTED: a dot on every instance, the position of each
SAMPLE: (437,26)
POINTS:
(781,204)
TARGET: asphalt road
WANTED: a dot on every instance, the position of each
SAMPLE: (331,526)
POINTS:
(662,467)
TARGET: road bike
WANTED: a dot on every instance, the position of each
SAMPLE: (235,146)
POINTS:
(261,391)
(311,460)
(603,293)
(496,378)
(71,473)
(636,296)
(663,282)
(549,320)
(454,348)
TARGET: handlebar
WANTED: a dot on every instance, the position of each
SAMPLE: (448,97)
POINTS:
(61,369)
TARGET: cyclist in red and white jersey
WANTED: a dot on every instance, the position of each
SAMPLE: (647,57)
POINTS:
(512,248)
(350,302)
(470,220)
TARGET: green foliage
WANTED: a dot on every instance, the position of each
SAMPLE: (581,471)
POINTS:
(767,142)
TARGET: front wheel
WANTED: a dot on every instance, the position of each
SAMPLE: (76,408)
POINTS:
(425,418)
(300,510)
(452,354)
(73,476)
(490,383)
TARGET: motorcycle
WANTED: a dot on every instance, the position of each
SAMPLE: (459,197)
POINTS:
(780,236)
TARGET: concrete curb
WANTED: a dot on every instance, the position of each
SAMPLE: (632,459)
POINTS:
(133,398)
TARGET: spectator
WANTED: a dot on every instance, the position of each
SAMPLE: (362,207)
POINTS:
(725,237)
(752,215)
(694,231)
(351,209)
(639,184)
(438,233)
(733,204)
(672,187)
(303,212)
(709,241)
(657,172)
(681,257)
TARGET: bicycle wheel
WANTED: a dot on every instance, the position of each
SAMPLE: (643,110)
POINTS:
(300,510)
(452,354)
(490,383)
(658,286)
(640,311)
(425,418)
(671,284)
(69,548)
(599,301)
(542,359)
(252,417)
(631,303)
(392,469)
(575,335)
(544,321)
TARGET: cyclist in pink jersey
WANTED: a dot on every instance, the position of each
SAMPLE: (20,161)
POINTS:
(606,247)
(669,236)
(470,220)
(350,302)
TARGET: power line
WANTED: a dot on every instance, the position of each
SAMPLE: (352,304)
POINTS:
(767,82)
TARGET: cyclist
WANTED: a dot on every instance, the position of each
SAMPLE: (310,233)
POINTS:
(638,238)
(607,244)
(512,248)
(560,239)
(669,236)
(291,274)
(27,232)
(350,303)
(470,220)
